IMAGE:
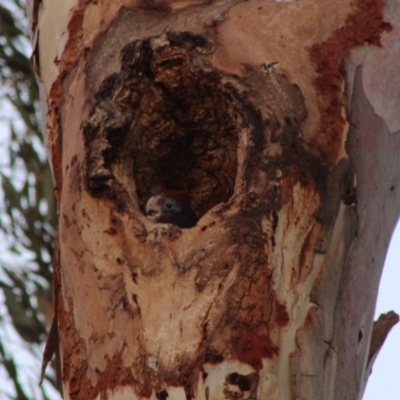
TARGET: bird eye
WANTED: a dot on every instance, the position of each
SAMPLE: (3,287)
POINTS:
(168,205)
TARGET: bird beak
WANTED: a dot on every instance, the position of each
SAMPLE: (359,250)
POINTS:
(153,211)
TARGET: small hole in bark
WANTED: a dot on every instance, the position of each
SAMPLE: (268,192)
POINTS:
(162,395)
(360,335)
(243,382)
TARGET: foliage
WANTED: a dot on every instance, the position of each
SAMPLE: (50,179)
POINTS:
(27,216)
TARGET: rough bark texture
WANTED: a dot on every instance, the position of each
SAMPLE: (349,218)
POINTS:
(259,110)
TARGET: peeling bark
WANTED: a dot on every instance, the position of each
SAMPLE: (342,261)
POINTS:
(257,109)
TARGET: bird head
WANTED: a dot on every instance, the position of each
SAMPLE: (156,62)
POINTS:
(171,207)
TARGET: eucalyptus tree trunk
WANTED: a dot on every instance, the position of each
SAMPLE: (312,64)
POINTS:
(276,117)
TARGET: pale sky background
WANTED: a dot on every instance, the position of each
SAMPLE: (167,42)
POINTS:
(384,382)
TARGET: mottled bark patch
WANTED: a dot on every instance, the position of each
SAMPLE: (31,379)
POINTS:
(364,25)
